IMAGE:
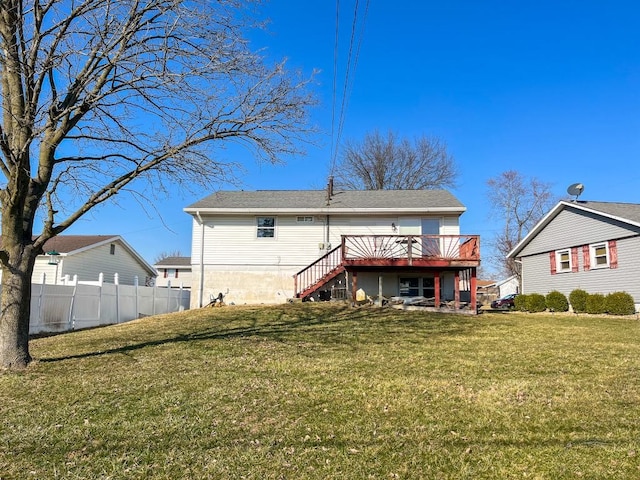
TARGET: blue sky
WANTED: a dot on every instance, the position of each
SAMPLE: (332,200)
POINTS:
(550,89)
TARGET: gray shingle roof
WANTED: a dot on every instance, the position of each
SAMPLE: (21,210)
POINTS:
(624,211)
(317,200)
(174,262)
(71,243)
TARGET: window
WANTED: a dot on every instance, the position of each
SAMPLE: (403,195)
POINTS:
(429,287)
(563,260)
(409,287)
(414,287)
(112,249)
(599,255)
(305,219)
(266,227)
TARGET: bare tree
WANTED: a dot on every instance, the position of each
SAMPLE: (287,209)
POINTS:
(393,163)
(520,203)
(168,254)
(104,96)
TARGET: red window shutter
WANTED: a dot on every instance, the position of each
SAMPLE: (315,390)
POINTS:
(552,260)
(586,258)
(176,273)
(165,273)
(613,254)
(574,259)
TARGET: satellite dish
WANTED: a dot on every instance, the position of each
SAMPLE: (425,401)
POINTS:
(575,189)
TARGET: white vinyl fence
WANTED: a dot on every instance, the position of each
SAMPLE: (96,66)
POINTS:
(59,308)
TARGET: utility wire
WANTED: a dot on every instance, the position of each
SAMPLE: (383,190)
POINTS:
(348,81)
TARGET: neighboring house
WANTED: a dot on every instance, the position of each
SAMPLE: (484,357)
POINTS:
(506,286)
(593,246)
(175,271)
(87,256)
(272,246)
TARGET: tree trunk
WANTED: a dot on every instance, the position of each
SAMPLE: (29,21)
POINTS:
(15,305)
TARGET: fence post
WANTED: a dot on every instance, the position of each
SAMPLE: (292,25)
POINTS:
(135,284)
(153,299)
(100,282)
(72,322)
(168,296)
(181,291)
(116,282)
(43,281)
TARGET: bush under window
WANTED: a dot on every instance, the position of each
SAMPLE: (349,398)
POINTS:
(520,303)
(536,303)
(595,304)
(620,303)
(557,301)
(578,300)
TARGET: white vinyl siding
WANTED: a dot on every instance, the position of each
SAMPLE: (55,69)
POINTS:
(231,240)
(90,263)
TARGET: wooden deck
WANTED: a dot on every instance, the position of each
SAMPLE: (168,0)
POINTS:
(388,253)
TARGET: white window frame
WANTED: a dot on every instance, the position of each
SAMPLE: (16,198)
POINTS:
(559,268)
(594,257)
(258,227)
(304,219)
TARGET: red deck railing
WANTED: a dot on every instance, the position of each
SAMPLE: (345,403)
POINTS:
(389,251)
(463,248)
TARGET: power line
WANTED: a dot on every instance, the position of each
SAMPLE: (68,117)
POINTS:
(352,61)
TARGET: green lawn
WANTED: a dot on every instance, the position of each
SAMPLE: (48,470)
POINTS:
(328,392)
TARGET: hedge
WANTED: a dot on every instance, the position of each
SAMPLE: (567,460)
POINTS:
(578,300)
(619,303)
(556,301)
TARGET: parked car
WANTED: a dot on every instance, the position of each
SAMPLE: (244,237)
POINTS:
(505,302)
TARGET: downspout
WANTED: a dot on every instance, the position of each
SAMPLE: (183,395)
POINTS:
(327,243)
(201,288)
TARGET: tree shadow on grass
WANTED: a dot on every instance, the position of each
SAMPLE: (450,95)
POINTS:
(306,323)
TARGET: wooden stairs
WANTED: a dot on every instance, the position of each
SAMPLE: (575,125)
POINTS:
(314,276)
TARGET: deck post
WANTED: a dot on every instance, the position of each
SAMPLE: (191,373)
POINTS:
(436,287)
(380,290)
(354,286)
(474,289)
(456,290)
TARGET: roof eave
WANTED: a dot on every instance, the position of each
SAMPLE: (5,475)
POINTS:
(322,210)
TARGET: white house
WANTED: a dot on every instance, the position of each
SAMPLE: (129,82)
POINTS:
(87,256)
(174,271)
(592,246)
(272,246)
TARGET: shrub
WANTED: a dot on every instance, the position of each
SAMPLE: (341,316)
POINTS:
(520,303)
(578,300)
(595,303)
(620,303)
(536,303)
(557,301)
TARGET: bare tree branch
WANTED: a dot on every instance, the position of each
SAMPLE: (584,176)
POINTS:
(379,163)
(520,203)
(99,96)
